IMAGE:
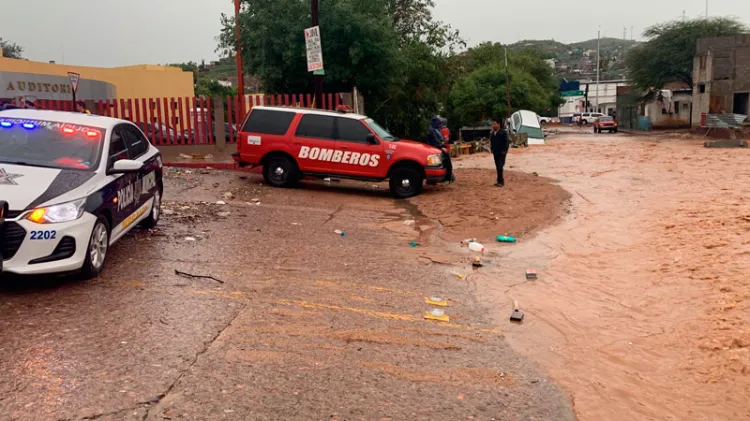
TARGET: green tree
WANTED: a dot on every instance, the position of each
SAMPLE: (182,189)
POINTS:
(391,50)
(212,88)
(668,53)
(480,88)
(482,94)
(11,49)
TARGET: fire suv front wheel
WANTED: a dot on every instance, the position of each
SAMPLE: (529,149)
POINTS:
(405,183)
(280,171)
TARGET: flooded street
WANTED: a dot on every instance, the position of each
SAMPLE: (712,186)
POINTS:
(299,323)
(642,306)
(641,310)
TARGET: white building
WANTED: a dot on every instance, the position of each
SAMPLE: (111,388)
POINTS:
(603,100)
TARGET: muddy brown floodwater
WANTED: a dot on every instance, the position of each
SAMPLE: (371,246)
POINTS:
(642,306)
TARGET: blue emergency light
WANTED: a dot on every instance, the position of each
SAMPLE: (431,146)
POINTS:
(6,124)
(28,126)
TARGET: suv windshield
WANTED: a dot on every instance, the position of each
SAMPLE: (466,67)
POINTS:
(49,144)
(382,133)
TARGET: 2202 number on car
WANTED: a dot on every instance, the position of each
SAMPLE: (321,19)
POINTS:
(43,235)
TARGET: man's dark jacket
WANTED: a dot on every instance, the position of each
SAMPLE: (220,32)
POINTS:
(499,142)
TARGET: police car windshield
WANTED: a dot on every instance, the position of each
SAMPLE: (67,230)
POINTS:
(382,133)
(49,144)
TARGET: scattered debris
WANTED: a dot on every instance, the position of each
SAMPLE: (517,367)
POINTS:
(223,214)
(221,203)
(168,212)
(190,239)
(190,275)
(477,262)
(339,232)
(410,222)
(517,315)
(477,247)
(414,244)
(228,196)
(243,177)
(436,301)
(196,156)
(530,274)
(255,200)
(296,223)
(468,241)
(436,314)
(505,239)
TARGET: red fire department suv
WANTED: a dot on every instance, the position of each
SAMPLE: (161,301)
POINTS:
(291,143)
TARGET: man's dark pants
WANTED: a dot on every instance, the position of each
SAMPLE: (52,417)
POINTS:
(499,164)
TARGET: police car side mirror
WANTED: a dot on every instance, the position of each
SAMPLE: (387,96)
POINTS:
(125,166)
(371,139)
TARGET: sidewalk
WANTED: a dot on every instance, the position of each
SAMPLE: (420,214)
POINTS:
(199,156)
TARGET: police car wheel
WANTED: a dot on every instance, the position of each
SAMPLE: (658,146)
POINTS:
(280,172)
(96,254)
(153,217)
(405,183)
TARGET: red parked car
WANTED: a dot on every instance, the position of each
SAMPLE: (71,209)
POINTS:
(605,123)
(291,143)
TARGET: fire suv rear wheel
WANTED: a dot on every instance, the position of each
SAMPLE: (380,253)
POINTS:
(280,171)
(405,183)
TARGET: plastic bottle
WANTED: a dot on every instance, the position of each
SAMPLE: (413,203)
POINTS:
(476,247)
(504,239)
(339,232)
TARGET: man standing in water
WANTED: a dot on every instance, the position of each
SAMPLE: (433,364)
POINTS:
(499,143)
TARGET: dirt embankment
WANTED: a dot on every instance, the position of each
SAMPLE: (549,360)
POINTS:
(474,207)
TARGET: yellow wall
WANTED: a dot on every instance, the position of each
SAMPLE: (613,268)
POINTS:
(142,81)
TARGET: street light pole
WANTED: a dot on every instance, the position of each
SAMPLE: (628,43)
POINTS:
(507,83)
(317,79)
(598,64)
(238,56)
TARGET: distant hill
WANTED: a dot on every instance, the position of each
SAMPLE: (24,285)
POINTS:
(578,60)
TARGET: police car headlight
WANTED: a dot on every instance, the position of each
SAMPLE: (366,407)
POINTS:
(434,160)
(64,212)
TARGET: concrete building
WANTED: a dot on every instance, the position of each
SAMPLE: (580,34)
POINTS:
(721,76)
(35,80)
(607,99)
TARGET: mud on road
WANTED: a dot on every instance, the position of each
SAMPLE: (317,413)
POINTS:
(307,324)
(642,306)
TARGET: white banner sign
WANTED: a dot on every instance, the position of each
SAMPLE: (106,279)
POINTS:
(314,49)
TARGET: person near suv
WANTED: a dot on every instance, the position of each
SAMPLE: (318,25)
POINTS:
(293,143)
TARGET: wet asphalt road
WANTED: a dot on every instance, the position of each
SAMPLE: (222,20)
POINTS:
(308,325)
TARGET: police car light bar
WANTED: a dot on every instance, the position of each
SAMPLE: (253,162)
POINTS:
(92,133)
(6,124)
(68,130)
(28,126)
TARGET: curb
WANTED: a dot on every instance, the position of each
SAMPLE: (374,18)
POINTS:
(217,166)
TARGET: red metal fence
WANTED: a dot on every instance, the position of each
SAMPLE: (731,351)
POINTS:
(189,120)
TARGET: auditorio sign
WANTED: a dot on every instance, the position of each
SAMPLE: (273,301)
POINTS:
(29,85)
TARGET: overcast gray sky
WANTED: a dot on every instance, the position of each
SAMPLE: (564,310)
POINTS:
(124,32)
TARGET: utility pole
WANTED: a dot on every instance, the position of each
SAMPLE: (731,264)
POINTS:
(631,33)
(507,83)
(238,56)
(598,65)
(317,79)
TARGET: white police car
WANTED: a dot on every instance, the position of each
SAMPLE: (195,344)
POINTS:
(73,184)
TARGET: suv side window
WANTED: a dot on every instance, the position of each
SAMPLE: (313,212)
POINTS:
(316,126)
(117,148)
(268,122)
(136,142)
(351,130)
